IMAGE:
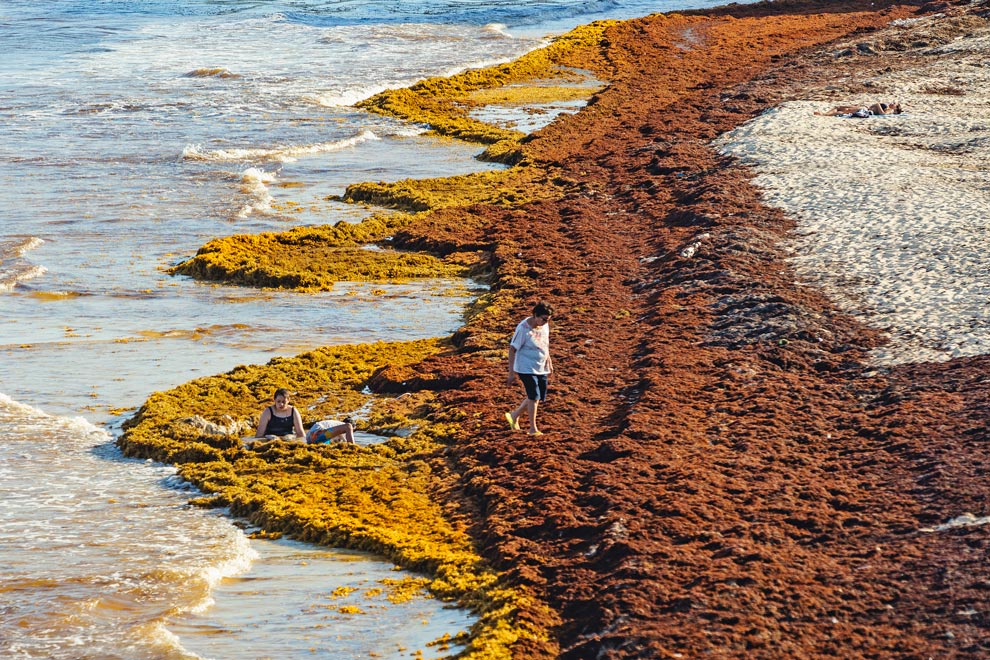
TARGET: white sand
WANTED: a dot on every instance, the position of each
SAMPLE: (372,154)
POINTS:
(893,212)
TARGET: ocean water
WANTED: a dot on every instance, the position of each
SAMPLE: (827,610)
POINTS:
(134,132)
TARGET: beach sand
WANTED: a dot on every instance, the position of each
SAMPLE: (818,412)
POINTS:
(766,433)
(892,212)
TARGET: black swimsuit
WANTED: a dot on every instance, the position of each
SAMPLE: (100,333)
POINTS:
(280,425)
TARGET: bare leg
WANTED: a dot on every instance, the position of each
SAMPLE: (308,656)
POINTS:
(528,408)
(523,407)
(533,405)
(839,110)
(345,430)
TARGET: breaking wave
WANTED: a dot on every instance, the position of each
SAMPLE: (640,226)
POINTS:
(284,154)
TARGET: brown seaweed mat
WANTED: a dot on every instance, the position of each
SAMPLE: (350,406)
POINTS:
(724,475)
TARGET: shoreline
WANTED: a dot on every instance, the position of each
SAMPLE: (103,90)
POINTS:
(723,472)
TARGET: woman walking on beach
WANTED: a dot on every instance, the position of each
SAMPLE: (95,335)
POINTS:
(529,360)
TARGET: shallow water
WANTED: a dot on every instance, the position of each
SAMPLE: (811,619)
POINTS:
(275,611)
(96,560)
(101,354)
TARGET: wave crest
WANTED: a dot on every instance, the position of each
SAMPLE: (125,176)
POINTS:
(286,154)
(18,247)
(500,29)
(12,269)
(11,410)
(253,184)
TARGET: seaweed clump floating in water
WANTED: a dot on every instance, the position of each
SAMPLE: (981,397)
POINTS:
(444,103)
(314,258)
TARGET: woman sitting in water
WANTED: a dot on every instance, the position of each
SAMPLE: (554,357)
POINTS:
(863,111)
(280,419)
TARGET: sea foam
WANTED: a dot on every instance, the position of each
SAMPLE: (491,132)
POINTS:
(285,154)
(10,277)
(345,98)
(253,184)
(30,421)
(12,269)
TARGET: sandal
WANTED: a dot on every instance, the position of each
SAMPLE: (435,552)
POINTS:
(513,424)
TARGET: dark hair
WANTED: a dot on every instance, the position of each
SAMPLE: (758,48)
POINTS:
(542,309)
(280,392)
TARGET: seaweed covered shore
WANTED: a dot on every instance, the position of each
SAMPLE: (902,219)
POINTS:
(726,471)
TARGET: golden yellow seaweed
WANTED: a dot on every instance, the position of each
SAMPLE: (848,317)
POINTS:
(527,95)
(380,498)
(503,187)
(314,258)
(444,103)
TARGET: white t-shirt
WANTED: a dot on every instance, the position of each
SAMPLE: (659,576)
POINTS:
(532,348)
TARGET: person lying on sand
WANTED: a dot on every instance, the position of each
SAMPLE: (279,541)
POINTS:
(863,111)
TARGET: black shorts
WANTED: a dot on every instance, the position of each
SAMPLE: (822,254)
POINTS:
(536,386)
